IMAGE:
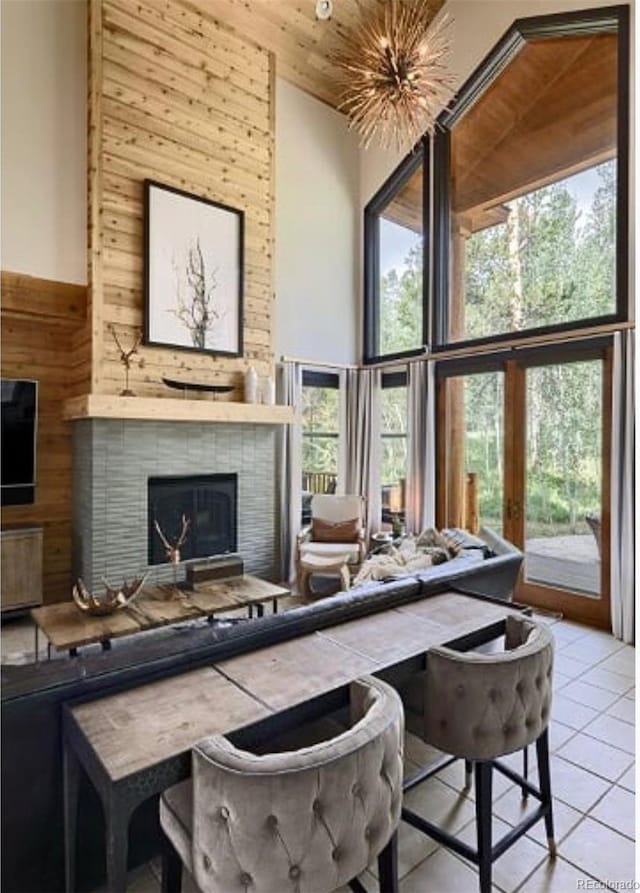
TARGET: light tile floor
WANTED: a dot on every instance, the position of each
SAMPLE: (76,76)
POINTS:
(593,779)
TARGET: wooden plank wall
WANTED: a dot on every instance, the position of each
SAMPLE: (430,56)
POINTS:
(175,97)
(39,318)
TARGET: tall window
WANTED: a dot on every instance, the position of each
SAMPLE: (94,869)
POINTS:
(320,436)
(393,410)
(395,321)
(531,172)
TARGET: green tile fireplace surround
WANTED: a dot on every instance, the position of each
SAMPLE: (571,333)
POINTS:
(112,462)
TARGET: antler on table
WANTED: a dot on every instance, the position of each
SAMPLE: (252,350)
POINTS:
(113,599)
(172,550)
(183,533)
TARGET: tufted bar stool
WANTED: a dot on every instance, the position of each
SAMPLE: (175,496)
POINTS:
(480,707)
(305,821)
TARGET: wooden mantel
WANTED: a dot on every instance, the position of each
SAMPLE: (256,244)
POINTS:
(104,406)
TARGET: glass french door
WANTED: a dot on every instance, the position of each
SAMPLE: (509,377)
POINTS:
(524,451)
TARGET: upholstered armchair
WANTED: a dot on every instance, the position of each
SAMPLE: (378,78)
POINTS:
(336,529)
(297,821)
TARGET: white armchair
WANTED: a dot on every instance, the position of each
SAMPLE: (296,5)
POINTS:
(336,529)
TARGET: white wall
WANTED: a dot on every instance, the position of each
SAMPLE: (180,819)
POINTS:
(317,267)
(43,170)
(476,27)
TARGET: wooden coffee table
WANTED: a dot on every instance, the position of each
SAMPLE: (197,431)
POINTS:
(67,628)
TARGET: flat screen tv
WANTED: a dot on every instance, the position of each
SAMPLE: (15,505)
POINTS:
(18,440)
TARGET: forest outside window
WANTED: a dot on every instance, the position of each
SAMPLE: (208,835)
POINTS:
(393,426)
(320,436)
(395,321)
(531,203)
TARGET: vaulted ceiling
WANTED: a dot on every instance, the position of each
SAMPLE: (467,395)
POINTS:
(302,44)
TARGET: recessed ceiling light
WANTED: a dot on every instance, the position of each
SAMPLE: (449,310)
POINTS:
(324,8)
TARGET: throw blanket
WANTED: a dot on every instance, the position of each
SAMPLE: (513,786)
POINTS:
(413,554)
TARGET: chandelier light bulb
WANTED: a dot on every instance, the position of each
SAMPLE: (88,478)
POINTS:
(324,9)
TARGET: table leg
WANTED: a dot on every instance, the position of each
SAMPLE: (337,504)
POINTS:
(73,652)
(250,612)
(260,609)
(117,816)
(106,644)
(48,650)
(275,605)
(71,776)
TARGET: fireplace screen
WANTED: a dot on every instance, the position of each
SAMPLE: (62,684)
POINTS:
(208,501)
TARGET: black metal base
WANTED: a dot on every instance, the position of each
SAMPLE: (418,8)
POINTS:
(487,851)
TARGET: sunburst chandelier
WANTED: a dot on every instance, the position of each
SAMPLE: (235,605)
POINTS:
(394,72)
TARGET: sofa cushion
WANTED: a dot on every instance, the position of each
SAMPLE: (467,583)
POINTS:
(328,550)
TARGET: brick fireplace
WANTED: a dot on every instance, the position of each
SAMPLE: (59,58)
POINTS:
(114,460)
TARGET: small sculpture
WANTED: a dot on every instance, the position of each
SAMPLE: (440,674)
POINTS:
(172,550)
(125,359)
(113,599)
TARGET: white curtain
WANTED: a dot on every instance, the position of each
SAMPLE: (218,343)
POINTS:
(362,441)
(290,480)
(623,489)
(421,449)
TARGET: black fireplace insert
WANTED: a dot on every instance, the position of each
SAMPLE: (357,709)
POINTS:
(208,501)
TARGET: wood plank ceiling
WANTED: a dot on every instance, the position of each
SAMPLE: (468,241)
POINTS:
(303,45)
(552,112)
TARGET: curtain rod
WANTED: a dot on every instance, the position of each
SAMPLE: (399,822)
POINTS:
(479,349)
(320,364)
(328,365)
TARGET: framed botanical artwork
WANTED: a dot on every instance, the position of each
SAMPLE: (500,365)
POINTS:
(193,272)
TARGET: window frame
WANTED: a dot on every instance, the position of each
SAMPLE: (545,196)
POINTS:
(592,21)
(312,378)
(395,379)
(419,156)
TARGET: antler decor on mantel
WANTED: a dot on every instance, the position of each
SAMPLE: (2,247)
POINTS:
(125,359)
(113,599)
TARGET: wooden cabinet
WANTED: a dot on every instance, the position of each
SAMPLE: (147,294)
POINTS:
(21,556)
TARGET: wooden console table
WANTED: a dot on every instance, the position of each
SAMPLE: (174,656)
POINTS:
(68,629)
(135,744)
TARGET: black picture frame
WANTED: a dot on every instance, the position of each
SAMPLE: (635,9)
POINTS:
(192,246)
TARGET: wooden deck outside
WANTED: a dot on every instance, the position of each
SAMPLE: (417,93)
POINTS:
(568,562)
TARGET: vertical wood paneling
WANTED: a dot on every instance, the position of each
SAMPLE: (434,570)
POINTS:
(39,321)
(174,97)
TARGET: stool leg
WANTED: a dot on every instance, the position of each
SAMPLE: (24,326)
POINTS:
(542,749)
(468,773)
(525,770)
(171,868)
(345,578)
(483,772)
(388,866)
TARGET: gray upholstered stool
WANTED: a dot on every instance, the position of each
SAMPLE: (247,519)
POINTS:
(479,707)
(305,821)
